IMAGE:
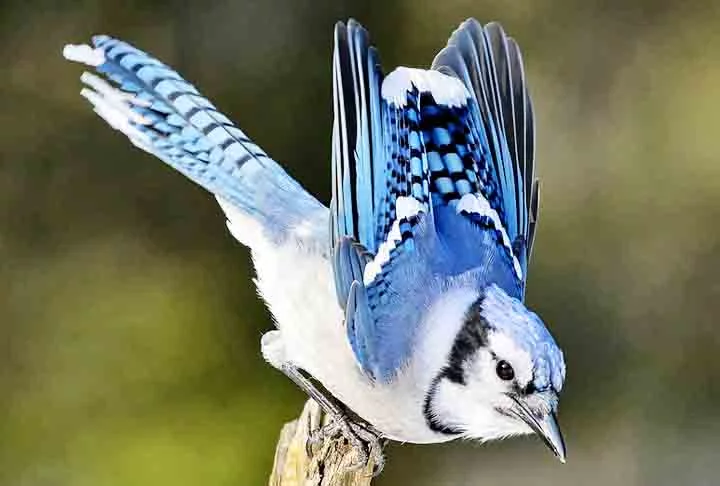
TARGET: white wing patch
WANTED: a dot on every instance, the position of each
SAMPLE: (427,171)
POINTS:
(405,207)
(444,89)
(476,204)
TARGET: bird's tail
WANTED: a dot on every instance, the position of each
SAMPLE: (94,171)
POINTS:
(166,116)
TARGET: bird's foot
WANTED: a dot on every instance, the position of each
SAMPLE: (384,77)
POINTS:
(365,441)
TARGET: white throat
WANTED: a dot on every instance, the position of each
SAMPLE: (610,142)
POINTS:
(441,324)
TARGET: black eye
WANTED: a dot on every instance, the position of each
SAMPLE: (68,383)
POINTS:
(505,371)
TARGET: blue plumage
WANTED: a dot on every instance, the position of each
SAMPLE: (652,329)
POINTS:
(180,126)
(437,153)
(431,224)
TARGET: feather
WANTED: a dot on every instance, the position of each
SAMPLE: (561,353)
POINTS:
(377,151)
(349,263)
(356,141)
(489,64)
(405,145)
(380,188)
(166,116)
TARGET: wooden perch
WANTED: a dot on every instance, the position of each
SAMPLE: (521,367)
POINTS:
(329,463)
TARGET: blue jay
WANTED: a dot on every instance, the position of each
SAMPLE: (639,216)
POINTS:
(404,298)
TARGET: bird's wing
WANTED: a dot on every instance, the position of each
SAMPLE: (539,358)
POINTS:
(376,157)
(421,157)
(489,64)
(166,116)
(379,173)
(380,195)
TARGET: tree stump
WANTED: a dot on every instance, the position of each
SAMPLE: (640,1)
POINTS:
(327,464)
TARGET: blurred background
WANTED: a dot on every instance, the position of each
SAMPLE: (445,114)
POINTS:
(129,327)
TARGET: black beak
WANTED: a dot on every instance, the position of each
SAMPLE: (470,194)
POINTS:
(546,426)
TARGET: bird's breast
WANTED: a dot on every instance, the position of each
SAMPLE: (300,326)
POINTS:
(296,283)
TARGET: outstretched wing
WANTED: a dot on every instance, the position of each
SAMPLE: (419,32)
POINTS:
(166,116)
(380,196)
(490,65)
(383,195)
(427,156)
(377,155)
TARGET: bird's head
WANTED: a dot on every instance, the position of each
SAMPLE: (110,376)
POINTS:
(501,377)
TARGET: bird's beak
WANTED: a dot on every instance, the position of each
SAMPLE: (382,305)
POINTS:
(546,426)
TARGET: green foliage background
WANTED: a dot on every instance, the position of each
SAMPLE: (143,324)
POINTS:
(129,327)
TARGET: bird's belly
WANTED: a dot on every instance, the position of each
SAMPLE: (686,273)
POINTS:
(298,288)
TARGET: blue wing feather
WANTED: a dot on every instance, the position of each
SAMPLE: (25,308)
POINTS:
(377,158)
(449,150)
(377,152)
(490,65)
(354,130)
(349,260)
(462,154)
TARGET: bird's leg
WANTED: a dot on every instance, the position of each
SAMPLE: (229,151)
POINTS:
(364,438)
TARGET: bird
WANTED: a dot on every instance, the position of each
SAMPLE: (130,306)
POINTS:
(400,305)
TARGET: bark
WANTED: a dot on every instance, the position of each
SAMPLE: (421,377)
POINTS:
(327,464)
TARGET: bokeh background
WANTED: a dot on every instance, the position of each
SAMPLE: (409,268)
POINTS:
(129,326)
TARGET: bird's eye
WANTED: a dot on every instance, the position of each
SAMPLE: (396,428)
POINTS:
(505,371)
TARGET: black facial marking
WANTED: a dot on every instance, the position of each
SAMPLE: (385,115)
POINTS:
(472,336)
(433,422)
(529,389)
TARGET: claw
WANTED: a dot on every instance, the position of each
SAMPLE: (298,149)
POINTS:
(358,444)
(363,437)
(368,446)
(366,443)
(376,453)
(317,437)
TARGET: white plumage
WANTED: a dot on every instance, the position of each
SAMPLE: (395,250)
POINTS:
(444,89)
(471,203)
(405,208)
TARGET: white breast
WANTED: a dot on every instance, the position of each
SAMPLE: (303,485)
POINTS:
(295,280)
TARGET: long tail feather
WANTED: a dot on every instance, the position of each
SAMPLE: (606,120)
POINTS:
(166,116)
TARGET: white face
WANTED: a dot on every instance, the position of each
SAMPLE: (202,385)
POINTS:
(475,406)
(486,386)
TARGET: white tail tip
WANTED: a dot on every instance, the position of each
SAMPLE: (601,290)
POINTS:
(84,53)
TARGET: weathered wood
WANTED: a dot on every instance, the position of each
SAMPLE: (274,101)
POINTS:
(329,463)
